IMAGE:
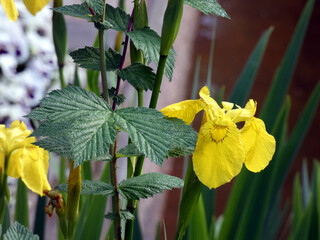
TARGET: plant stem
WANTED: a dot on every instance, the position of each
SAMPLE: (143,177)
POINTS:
(115,197)
(103,59)
(62,82)
(157,85)
(123,57)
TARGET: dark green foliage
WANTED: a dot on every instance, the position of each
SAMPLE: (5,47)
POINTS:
(129,151)
(89,58)
(208,7)
(138,75)
(91,187)
(124,215)
(18,231)
(116,19)
(148,41)
(147,185)
(75,10)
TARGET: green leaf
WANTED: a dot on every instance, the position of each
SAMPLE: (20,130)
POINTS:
(124,215)
(89,136)
(208,7)
(21,213)
(129,151)
(59,145)
(148,130)
(246,79)
(148,41)
(116,19)
(284,73)
(95,5)
(91,187)
(75,10)
(147,185)
(89,58)
(198,224)
(184,139)
(138,75)
(18,231)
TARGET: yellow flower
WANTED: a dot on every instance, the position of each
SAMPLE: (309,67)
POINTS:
(33,7)
(222,148)
(25,160)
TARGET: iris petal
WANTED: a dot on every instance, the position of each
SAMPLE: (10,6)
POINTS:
(10,9)
(218,158)
(35,168)
(185,110)
(259,145)
(35,6)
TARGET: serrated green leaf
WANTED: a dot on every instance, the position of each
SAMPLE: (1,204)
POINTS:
(116,19)
(95,5)
(148,130)
(59,145)
(129,151)
(124,215)
(75,10)
(91,187)
(147,185)
(184,139)
(18,231)
(69,104)
(138,75)
(89,58)
(90,127)
(148,41)
(208,7)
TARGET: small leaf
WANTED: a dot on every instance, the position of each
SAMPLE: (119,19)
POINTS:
(91,187)
(147,185)
(95,5)
(124,215)
(129,151)
(89,58)
(75,10)
(148,130)
(208,7)
(139,76)
(116,19)
(148,41)
(18,231)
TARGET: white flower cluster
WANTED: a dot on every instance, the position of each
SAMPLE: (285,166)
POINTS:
(28,65)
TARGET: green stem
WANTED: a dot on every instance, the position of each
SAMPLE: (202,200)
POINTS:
(62,82)
(103,66)
(21,211)
(115,197)
(157,85)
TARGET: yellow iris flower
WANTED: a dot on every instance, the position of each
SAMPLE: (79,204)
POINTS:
(25,160)
(222,148)
(33,7)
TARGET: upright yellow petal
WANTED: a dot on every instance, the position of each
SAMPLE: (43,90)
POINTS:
(35,166)
(258,144)
(205,96)
(219,154)
(10,9)
(35,6)
(185,110)
(243,114)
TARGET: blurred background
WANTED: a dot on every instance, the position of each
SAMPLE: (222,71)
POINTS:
(28,70)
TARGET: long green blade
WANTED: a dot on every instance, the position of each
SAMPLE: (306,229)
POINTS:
(246,79)
(284,73)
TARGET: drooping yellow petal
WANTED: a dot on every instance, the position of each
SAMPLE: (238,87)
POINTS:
(35,6)
(259,145)
(185,110)
(10,9)
(2,156)
(219,154)
(35,166)
(15,160)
